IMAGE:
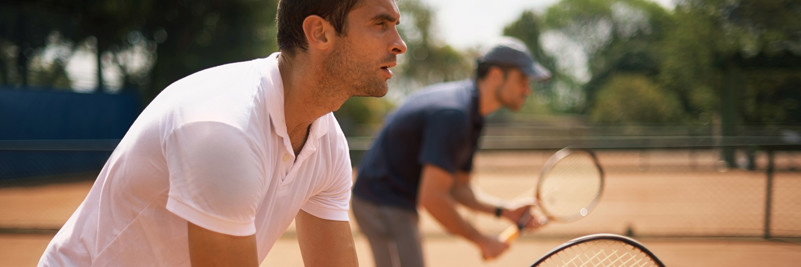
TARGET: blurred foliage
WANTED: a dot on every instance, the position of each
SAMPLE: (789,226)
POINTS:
(749,55)
(616,36)
(152,43)
(634,99)
(25,31)
(732,59)
(772,98)
(687,66)
(155,43)
(705,62)
(362,116)
(724,61)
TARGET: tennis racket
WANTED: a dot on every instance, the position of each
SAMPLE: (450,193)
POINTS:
(600,250)
(569,187)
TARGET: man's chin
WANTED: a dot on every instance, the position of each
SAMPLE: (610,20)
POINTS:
(380,93)
(375,92)
(515,108)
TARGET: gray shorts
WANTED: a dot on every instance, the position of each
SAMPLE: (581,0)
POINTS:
(393,234)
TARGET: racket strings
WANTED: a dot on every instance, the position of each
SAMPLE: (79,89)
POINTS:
(600,253)
(570,186)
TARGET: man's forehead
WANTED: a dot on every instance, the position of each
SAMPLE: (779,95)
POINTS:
(377,9)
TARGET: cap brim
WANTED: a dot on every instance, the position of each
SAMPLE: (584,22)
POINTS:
(538,72)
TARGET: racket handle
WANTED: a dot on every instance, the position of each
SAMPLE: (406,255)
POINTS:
(510,234)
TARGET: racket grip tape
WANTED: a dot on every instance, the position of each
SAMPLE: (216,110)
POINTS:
(510,234)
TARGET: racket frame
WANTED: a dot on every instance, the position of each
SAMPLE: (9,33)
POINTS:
(595,237)
(513,232)
(552,161)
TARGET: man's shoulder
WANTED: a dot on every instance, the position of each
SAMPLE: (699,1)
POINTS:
(450,95)
(230,94)
(449,86)
(232,68)
(227,75)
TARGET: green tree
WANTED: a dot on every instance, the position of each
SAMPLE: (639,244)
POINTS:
(24,32)
(722,48)
(633,99)
(688,65)
(736,62)
(174,38)
(616,35)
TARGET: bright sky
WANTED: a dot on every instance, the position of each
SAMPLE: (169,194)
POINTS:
(469,23)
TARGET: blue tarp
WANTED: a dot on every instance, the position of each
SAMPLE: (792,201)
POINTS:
(39,115)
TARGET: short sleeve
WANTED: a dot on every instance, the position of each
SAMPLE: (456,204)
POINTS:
(444,139)
(215,177)
(333,200)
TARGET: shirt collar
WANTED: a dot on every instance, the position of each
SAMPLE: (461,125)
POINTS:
(475,109)
(273,88)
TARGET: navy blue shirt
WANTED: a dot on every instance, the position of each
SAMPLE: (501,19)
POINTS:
(439,125)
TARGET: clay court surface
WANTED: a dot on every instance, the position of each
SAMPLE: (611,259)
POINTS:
(681,204)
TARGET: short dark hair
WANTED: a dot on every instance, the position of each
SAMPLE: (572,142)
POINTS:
(291,14)
(483,68)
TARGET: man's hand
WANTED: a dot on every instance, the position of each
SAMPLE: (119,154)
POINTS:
(522,216)
(492,247)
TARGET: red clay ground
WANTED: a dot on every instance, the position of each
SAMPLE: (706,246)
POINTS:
(661,196)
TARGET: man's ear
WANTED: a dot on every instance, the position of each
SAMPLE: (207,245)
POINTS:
(318,32)
(495,74)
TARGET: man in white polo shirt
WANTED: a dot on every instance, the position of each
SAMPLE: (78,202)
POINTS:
(215,169)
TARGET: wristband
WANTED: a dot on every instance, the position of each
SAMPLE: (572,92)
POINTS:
(498,211)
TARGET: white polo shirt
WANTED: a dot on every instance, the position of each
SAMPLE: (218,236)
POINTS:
(211,149)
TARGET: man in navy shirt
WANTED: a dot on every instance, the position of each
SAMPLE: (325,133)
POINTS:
(424,155)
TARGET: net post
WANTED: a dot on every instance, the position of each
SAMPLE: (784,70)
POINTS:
(768,194)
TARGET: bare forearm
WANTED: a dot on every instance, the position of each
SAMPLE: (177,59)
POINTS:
(443,208)
(466,195)
(468,198)
(437,197)
(208,248)
(325,242)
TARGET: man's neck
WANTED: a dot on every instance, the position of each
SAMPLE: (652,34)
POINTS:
(488,102)
(302,100)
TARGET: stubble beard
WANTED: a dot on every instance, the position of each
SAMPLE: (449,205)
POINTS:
(511,104)
(344,73)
